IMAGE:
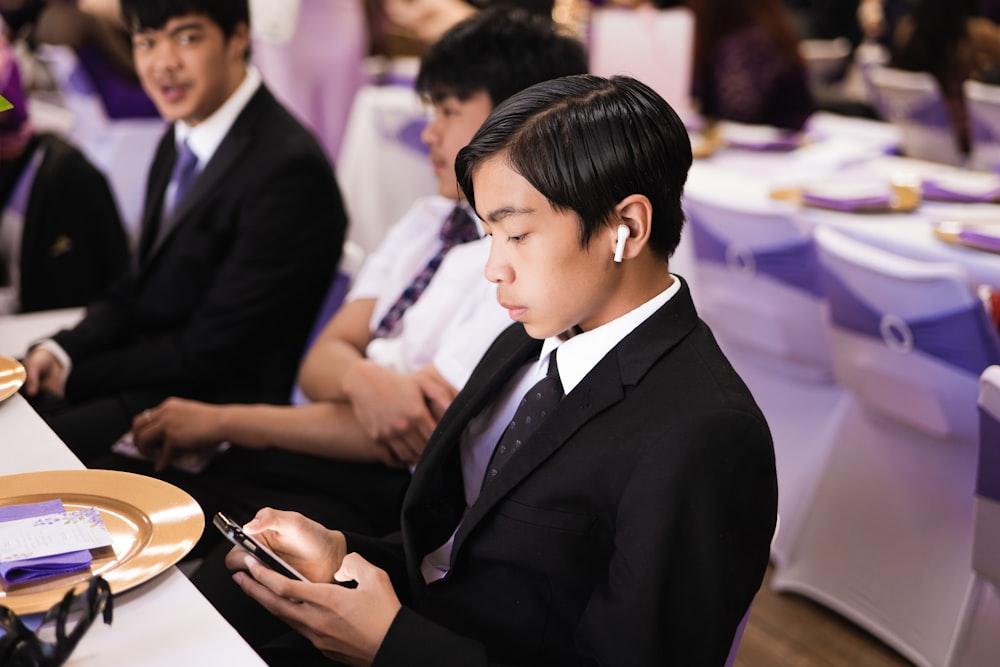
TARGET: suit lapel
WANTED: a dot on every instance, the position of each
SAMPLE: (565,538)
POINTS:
(237,142)
(159,178)
(436,500)
(604,386)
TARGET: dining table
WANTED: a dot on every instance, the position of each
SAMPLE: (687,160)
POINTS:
(161,621)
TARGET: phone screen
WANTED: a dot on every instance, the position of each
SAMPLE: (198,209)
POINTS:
(235,533)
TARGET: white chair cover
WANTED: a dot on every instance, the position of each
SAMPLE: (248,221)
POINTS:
(121,148)
(757,286)
(913,101)
(977,642)
(888,538)
(982,103)
(383,166)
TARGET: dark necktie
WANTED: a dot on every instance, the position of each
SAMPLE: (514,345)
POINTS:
(185,168)
(536,405)
(458,228)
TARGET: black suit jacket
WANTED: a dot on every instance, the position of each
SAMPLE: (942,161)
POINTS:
(73,245)
(220,309)
(632,529)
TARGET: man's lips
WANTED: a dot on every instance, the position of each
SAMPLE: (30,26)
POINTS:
(513,311)
(172,92)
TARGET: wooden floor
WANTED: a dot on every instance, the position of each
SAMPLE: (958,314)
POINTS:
(787,630)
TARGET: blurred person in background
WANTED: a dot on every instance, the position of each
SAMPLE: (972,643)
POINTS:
(61,240)
(949,39)
(311,53)
(747,66)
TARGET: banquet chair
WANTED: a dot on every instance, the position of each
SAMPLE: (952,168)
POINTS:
(122,148)
(383,167)
(982,103)
(977,643)
(826,62)
(913,101)
(351,260)
(757,287)
(888,536)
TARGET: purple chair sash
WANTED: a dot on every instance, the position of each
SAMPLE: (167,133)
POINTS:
(979,130)
(988,475)
(931,113)
(963,337)
(793,264)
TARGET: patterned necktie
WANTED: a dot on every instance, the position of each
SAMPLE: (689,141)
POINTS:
(458,228)
(536,405)
(185,168)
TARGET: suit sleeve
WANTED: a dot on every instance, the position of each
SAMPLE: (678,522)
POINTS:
(285,245)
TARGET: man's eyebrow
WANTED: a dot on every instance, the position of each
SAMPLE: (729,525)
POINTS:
(183,27)
(505,212)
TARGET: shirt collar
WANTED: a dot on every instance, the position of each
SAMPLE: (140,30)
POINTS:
(580,353)
(204,138)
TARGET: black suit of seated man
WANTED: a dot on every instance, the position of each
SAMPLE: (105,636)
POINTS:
(227,280)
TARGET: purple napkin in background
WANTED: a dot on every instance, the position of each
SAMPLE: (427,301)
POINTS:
(846,204)
(30,569)
(981,240)
(931,190)
(785,143)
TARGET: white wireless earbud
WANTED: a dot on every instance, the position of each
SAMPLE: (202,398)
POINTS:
(623,233)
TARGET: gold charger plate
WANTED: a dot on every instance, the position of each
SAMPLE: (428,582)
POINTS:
(906,199)
(12,375)
(152,524)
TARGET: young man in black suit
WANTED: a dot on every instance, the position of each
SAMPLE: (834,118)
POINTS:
(632,526)
(242,230)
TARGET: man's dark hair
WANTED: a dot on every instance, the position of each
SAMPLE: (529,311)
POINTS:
(154,14)
(585,143)
(501,51)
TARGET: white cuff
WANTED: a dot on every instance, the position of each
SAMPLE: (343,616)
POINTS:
(60,354)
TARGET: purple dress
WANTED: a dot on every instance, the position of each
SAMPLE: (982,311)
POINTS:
(750,80)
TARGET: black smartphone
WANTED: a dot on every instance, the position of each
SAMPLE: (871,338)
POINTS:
(234,532)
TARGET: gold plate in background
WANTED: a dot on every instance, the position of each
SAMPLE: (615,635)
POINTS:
(906,199)
(152,524)
(12,375)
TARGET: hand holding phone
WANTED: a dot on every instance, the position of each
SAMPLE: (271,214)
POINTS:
(255,548)
(258,550)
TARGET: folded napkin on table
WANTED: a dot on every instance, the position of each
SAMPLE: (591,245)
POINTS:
(30,569)
(962,187)
(848,196)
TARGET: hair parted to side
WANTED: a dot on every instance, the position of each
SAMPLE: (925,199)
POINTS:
(586,143)
(154,14)
(499,50)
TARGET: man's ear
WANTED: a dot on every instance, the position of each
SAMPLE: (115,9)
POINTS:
(636,214)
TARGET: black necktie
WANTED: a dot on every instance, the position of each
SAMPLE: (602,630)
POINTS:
(536,405)
(458,228)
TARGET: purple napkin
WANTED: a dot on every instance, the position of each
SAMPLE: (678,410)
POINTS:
(787,142)
(846,204)
(980,240)
(932,190)
(30,569)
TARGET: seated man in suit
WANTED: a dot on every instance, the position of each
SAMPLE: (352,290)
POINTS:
(61,240)
(242,228)
(395,354)
(621,512)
